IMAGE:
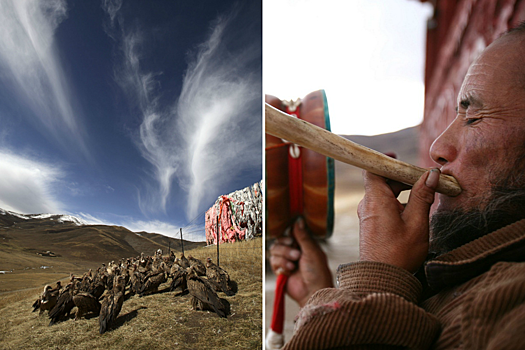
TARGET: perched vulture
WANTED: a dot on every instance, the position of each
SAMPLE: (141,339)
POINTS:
(183,262)
(85,303)
(63,306)
(178,278)
(198,266)
(203,295)
(111,306)
(142,261)
(48,299)
(97,288)
(147,266)
(218,277)
(152,283)
(36,304)
(126,273)
(135,281)
(85,283)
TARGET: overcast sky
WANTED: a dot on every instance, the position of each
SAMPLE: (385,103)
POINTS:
(135,113)
(368,56)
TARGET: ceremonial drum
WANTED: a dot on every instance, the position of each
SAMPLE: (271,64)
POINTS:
(299,182)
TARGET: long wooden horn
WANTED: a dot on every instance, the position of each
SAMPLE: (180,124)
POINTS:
(331,145)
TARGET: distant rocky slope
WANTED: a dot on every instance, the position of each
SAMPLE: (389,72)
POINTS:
(72,239)
(404,143)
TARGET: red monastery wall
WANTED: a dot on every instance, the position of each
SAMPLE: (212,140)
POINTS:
(456,34)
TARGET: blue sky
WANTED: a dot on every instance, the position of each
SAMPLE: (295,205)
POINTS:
(134,113)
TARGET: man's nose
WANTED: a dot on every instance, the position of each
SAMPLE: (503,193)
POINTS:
(444,149)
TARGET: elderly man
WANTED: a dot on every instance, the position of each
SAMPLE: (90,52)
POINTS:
(462,285)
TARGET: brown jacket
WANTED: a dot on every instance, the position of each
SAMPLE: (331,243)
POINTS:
(475,299)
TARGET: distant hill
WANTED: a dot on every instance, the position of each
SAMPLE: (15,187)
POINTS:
(67,238)
(403,143)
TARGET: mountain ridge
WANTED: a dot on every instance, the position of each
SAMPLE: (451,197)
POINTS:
(29,241)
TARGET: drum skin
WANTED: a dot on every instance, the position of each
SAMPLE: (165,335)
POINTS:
(317,175)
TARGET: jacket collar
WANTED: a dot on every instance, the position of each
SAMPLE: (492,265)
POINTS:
(477,257)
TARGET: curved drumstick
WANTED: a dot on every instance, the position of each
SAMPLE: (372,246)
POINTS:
(331,145)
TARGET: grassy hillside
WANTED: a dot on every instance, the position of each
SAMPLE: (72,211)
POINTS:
(75,249)
(160,321)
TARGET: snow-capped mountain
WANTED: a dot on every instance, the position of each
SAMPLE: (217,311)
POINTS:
(51,217)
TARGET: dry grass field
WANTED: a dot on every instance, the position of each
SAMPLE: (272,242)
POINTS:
(159,321)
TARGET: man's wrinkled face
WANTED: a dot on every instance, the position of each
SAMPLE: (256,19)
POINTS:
(482,144)
(484,149)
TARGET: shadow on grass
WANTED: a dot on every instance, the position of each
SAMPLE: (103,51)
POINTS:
(90,315)
(181,294)
(126,317)
(233,285)
(128,295)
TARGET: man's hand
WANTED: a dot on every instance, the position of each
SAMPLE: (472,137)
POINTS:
(307,266)
(390,232)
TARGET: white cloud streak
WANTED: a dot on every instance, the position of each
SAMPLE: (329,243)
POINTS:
(27,185)
(212,134)
(30,63)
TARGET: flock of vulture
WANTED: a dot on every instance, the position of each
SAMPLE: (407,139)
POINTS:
(104,291)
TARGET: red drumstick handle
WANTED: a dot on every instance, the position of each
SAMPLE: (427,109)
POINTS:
(275,338)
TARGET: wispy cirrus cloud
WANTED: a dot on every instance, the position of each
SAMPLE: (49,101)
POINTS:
(31,65)
(28,185)
(212,133)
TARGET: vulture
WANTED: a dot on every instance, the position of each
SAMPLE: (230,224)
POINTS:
(178,278)
(198,266)
(36,304)
(218,277)
(98,287)
(63,306)
(85,283)
(183,262)
(203,295)
(111,306)
(151,283)
(135,281)
(48,299)
(85,303)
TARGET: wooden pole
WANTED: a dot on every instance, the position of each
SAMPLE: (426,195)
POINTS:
(181,241)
